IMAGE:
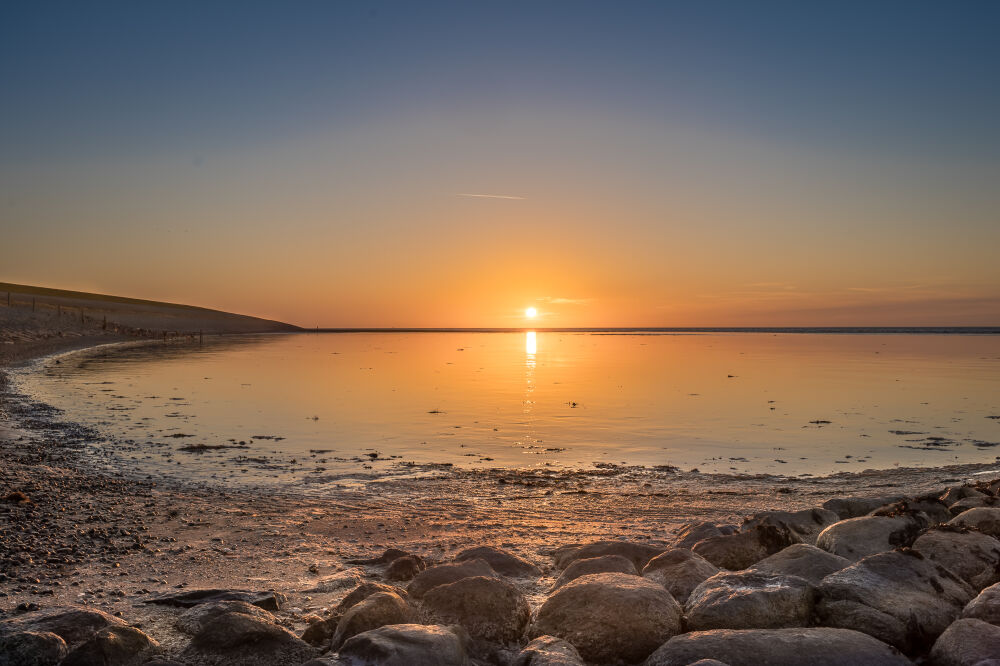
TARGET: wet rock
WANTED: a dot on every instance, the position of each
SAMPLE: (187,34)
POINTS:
(782,647)
(235,639)
(73,624)
(750,600)
(502,562)
(854,507)
(442,574)
(490,609)
(405,568)
(31,648)
(592,565)
(610,616)
(548,651)
(899,597)
(964,505)
(406,645)
(966,643)
(113,646)
(956,493)
(805,524)
(972,556)
(377,610)
(194,619)
(638,553)
(269,600)
(692,533)
(984,519)
(855,538)
(804,561)
(986,606)
(680,571)
(741,550)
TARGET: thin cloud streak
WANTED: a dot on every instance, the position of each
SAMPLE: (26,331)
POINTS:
(490,196)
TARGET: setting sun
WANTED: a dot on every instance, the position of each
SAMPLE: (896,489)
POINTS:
(531,313)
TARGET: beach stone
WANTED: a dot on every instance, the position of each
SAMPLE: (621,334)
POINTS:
(967,503)
(935,509)
(899,597)
(805,524)
(856,538)
(804,561)
(985,519)
(610,616)
(972,556)
(817,646)
(986,606)
(750,600)
(502,562)
(194,619)
(235,639)
(32,648)
(388,556)
(638,553)
(708,662)
(855,507)
(269,600)
(956,493)
(341,580)
(442,574)
(365,590)
(405,568)
(490,609)
(73,624)
(377,610)
(680,571)
(548,651)
(406,645)
(744,549)
(692,533)
(592,565)
(967,642)
(113,646)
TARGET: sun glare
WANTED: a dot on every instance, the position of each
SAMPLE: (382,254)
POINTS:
(531,313)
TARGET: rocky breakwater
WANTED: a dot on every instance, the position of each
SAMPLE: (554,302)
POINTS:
(885,580)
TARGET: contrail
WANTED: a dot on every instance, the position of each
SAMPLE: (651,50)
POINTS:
(490,196)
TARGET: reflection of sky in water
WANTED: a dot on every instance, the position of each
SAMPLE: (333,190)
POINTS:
(786,404)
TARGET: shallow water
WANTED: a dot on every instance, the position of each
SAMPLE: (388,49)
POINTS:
(325,408)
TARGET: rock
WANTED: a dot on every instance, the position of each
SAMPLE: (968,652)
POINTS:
(956,493)
(899,597)
(639,553)
(488,608)
(692,533)
(741,550)
(113,646)
(73,624)
(320,632)
(502,562)
(680,571)
(377,610)
(750,600)
(985,519)
(406,645)
(234,639)
(270,600)
(804,561)
(341,580)
(405,568)
(972,556)
(365,590)
(592,565)
(966,643)
(194,619)
(805,524)
(610,616)
(855,538)
(548,651)
(442,574)
(935,509)
(963,505)
(32,648)
(388,556)
(986,606)
(708,662)
(778,647)
(854,507)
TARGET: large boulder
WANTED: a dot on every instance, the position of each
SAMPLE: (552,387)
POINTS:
(956,493)
(235,639)
(804,561)
(805,524)
(73,624)
(113,646)
(750,600)
(692,533)
(376,610)
(967,643)
(899,597)
(972,555)
(680,571)
(610,616)
(592,565)
(855,538)
(502,562)
(983,518)
(548,651)
(268,600)
(854,507)
(741,550)
(406,645)
(405,568)
(777,647)
(195,618)
(963,505)
(935,509)
(363,591)
(639,553)
(442,574)
(31,648)
(488,608)
(986,606)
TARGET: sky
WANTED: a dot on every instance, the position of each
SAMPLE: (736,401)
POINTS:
(702,163)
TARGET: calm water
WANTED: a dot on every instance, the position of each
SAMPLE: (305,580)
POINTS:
(349,406)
